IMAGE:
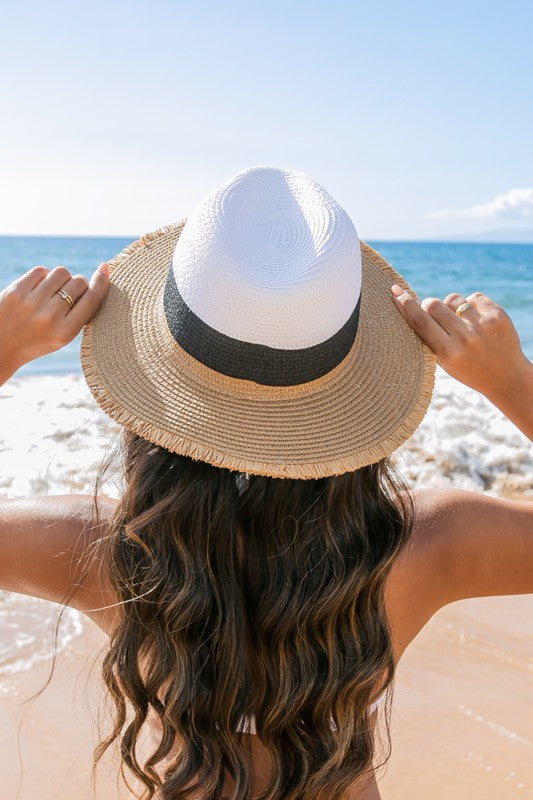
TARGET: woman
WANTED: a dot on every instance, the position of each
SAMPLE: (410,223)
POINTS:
(265,569)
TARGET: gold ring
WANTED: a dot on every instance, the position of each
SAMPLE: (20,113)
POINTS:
(65,295)
(462,308)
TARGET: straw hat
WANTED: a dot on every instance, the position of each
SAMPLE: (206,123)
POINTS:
(259,334)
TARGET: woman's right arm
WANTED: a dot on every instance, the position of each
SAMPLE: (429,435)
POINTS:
(515,400)
(468,544)
(472,545)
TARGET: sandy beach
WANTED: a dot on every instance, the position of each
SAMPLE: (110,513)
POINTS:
(461,725)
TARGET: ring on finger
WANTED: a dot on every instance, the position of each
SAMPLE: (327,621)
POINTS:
(65,295)
(462,308)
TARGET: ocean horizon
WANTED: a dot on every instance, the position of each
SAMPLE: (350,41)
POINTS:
(502,271)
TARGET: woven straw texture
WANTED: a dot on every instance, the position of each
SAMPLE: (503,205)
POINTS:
(356,414)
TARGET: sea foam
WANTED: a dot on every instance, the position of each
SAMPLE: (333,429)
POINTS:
(53,437)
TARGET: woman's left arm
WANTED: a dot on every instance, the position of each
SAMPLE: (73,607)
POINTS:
(43,540)
(49,548)
(35,319)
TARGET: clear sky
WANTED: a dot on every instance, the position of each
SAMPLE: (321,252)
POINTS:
(117,117)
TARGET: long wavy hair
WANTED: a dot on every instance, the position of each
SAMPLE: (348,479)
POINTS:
(267,601)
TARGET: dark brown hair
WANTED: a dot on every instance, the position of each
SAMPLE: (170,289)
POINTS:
(268,601)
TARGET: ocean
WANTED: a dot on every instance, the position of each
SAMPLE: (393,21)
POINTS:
(502,271)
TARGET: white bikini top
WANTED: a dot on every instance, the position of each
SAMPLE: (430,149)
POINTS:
(247,724)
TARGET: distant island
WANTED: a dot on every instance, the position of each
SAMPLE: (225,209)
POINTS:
(503,236)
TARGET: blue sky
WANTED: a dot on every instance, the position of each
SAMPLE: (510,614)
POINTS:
(117,117)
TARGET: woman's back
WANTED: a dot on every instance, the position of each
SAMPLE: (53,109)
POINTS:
(462,545)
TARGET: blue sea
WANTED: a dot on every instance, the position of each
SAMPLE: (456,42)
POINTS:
(502,271)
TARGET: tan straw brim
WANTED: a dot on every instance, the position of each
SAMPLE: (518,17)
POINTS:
(356,414)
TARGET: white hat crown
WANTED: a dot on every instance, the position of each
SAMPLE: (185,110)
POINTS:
(269,258)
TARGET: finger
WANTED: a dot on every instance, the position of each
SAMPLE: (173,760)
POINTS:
(443,313)
(477,299)
(55,279)
(482,302)
(420,321)
(450,298)
(74,287)
(30,279)
(454,301)
(89,302)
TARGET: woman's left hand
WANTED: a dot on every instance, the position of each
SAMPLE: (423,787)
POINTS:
(36,320)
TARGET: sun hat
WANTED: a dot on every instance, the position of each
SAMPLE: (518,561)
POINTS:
(259,334)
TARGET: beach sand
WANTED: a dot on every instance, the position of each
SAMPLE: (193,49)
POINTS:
(461,720)
(461,723)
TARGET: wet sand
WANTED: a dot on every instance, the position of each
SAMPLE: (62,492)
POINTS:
(462,725)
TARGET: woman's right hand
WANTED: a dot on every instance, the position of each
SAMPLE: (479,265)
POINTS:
(480,348)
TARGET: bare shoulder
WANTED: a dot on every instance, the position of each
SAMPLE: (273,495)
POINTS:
(49,549)
(463,544)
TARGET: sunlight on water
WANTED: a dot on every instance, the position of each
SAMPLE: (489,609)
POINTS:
(27,627)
